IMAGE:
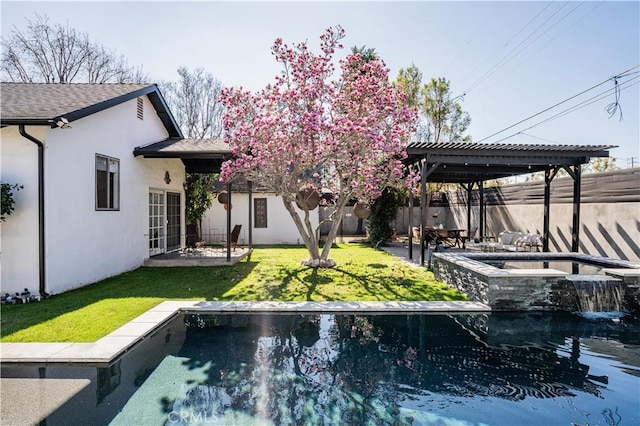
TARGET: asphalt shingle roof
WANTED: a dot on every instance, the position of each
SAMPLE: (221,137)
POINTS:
(184,147)
(44,103)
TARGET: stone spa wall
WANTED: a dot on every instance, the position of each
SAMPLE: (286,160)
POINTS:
(533,289)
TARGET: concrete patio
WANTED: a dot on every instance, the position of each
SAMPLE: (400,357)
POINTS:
(203,256)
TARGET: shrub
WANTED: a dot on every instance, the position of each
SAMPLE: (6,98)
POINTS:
(7,199)
(383,211)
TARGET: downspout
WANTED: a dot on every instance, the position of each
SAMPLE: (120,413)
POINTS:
(41,263)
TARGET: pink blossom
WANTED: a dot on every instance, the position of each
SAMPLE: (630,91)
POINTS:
(346,135)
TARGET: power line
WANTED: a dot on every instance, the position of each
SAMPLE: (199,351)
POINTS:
(546,44)
(508,41)
(558,104)
(537,137)
(600,96)
(473,37)
(574,108)
(509,57)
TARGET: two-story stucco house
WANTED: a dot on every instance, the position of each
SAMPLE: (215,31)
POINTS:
(89,208)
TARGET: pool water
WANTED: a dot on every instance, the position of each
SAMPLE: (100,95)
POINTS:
(335,369)
(407,369)
(570,267)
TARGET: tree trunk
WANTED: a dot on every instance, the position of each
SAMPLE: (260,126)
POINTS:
(310,238)
(306,231)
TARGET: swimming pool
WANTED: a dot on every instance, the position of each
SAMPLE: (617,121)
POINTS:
(498,368)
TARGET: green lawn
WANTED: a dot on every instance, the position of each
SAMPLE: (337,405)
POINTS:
(89,313)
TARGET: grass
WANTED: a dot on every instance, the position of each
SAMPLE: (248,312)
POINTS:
(274,273)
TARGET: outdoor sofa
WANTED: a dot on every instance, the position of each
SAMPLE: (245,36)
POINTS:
(511,241)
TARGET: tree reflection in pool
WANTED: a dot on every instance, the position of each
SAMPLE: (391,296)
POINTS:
(395,369)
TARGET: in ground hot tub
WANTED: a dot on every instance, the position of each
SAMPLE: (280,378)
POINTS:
(539,281)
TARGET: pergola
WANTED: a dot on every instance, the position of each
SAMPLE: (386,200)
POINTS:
(472,164)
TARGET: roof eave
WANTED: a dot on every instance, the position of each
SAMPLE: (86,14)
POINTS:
(155,97)
(26,122)
(181,154)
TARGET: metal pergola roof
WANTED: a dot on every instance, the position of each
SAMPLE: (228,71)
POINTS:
(473,162)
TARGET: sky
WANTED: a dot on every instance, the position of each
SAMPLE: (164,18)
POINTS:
(508,60)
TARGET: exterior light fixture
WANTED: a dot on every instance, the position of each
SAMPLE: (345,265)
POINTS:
(63,123)
(167,177)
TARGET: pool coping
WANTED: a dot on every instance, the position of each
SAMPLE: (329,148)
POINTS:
(476,262)
(108,348)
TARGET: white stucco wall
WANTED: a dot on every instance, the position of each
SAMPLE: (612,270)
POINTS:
(19,234)
(607,229)
(280,226)
(82,245)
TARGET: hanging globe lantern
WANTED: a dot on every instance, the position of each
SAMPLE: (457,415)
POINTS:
(361,210)
(308,197)
(222,197)
(228,206)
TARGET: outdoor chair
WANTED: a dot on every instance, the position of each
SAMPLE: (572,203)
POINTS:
(193,241)
(235,233)
(470,235)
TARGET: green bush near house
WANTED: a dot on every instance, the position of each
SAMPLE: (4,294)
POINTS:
(274,273)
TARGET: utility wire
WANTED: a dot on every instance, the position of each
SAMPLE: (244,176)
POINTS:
(508,41)
(557,104)
(613,107)
(473,37)
(546,44)
(537,137)
(509,57)
(585,103)
(574,108)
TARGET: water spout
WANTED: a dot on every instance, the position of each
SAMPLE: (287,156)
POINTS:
(598,297)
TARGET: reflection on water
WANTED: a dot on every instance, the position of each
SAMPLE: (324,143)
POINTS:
(396,369)
(495,369)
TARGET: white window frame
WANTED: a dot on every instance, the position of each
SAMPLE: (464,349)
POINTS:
(157,221)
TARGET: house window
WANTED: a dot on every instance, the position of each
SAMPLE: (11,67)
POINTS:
(260,213)
(140,109)
(107,183)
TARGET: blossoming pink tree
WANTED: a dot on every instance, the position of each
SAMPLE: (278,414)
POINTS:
(310,132)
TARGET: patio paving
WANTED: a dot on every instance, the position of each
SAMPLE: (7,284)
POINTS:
(205,256)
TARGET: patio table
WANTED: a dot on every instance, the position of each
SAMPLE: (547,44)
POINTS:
(450,237)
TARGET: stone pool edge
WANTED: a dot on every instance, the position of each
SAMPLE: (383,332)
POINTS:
(108,348)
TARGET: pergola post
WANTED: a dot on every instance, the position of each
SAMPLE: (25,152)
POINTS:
(424,174)
(229,222)
(410,246)
(482,209)
(549,174)
(575,173)
(250,222)
(423,207)
(469,189)
(547,210)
